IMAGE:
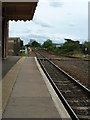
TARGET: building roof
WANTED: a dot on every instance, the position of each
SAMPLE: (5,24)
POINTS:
(18,9)
(19,0)
(14,38)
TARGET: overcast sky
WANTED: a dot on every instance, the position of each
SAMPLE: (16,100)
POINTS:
(55,20)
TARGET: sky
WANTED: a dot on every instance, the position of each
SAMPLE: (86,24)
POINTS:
(55,20)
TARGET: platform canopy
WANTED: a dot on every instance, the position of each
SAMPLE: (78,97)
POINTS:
(18,9)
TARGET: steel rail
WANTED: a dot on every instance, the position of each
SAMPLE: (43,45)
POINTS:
(60,95)
(62,98)
(69,76)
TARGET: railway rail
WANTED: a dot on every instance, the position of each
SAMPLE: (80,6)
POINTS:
(76,67)
(66,57)
(74,96)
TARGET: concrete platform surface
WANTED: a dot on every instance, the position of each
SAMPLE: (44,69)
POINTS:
(8,63)
(30,97)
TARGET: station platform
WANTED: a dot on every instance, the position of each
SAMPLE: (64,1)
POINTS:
(27,93)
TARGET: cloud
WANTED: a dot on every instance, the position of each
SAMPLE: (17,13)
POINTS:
(50,22)
(56,4)
(33,35)
(69,13)
(42,23)
(72,24)
(36,35)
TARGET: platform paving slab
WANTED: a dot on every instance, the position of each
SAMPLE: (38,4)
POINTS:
(8,82)
(8,63)
(30,97)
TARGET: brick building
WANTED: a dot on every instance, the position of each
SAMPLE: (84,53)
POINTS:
(14,44)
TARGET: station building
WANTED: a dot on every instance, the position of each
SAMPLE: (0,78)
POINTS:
(14,45)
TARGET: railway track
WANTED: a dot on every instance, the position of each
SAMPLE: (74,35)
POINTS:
(74,96)
(63,57)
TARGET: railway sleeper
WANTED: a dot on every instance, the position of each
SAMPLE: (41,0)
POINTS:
(84,117)
(77,103)
(62,81)
(73,102)
(81,110)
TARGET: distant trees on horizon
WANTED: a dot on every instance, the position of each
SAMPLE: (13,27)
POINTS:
(69,47)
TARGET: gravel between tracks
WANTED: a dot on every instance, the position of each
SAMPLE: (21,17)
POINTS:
(77,68)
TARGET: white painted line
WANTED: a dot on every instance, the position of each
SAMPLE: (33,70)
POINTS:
(58,104)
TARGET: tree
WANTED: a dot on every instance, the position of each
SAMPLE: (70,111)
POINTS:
(35,44)
(70,46)
(48,45)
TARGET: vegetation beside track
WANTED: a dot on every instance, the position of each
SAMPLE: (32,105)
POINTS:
(68,48)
